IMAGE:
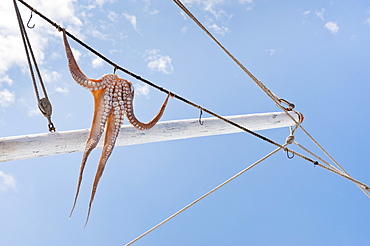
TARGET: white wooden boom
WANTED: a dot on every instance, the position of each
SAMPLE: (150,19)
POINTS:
(47,144)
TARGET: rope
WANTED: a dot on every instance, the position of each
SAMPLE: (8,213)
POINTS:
(43,103)
(277,100)
(116,66)
(317,157)
(205,195)
(269,93)
(333,168)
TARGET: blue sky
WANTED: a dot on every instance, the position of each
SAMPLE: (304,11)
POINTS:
(313,53)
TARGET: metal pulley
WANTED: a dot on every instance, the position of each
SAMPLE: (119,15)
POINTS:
(46,109)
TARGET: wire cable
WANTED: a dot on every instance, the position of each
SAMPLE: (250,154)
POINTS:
(43,103)
(259,83)
(277,100)
(268,92)
(116,66)
(332,168)
(205,195)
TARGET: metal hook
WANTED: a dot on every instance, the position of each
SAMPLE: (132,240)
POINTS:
(28,23)
(289,156)
(200,117)
(114,70)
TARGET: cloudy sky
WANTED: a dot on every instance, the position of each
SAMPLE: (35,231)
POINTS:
(313,53)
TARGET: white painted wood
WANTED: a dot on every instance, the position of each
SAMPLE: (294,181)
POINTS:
(47,144)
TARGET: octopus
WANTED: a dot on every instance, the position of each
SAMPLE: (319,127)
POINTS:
(113,99)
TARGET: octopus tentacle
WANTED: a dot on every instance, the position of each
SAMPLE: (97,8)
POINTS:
(130,110)
(101,97)
(114,122)
(76,72)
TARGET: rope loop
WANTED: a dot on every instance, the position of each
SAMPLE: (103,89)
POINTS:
(58,27)
(289,139)
(290,107)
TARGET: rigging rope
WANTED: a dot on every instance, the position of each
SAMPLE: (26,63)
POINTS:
(206,194)
(116,66)
(332,168)
(43,103)
(278,101)
(269,93)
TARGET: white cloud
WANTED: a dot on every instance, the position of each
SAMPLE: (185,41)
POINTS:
(62,10)
(50,76)
(147,6)
(191,1)
(306,12)
(56,55)
(113,16)
(7,182)
(332,27)
(102,2)
(271,51)
(219,30)
(131,19)
(142,89)
(209,6)
(62,90)
(97,63)
(76,53)
(114,51)
(162,64)
(33,111)
(11,47)
(154,12)
(96,34)
(367,21)
(6,79)
(320,14)
(184,30)
(158,62)
(219,15)
(183,15)
(6,98)
(246,1)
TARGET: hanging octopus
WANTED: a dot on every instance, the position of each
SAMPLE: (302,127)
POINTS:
(113,99)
